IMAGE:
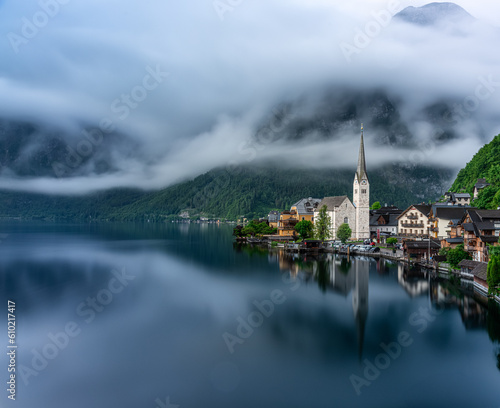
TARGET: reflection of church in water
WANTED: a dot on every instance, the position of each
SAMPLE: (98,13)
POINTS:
(339,275)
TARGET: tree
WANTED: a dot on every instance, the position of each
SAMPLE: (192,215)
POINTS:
(237,231)
(392,241)
(493,274)
(455,256)
(322,224)
(344,233)
(376,205)
(305,229)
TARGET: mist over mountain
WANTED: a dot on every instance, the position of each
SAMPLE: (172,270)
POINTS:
(259,84)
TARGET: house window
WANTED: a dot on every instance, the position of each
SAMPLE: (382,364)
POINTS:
(346,220)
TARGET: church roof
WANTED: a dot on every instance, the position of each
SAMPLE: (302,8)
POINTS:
(361,170)
(332,202)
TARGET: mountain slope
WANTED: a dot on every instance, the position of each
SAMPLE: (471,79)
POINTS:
(245,191)
(434,13)
(484,164)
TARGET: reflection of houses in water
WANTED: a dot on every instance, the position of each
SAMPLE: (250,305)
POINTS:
(445,296)
(413,280)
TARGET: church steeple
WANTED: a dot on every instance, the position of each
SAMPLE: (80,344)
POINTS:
(361,171)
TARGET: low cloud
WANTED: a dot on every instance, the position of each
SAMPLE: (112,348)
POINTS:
(225,78)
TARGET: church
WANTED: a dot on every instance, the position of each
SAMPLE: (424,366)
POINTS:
(356,213)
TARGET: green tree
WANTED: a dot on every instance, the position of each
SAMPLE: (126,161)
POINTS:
(305,229)
(376,205)
(493,276)
(455,256)
(344,233)
(392,241)
(322,224)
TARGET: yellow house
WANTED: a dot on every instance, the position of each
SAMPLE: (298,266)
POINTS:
(302,210)
(286,224)
(305,208)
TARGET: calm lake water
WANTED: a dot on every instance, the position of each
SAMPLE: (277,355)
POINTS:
(152,316)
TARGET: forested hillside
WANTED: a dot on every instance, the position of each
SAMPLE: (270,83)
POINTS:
(485,164)
(221,193)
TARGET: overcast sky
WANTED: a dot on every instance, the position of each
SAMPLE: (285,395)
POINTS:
(187,84)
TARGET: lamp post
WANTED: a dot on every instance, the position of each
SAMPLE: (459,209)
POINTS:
(429,249)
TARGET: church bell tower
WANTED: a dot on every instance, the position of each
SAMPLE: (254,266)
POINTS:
(361,195)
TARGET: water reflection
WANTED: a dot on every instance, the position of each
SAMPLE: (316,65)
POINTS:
(344,276)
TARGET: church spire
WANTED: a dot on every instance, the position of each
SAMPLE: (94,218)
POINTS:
(361,171)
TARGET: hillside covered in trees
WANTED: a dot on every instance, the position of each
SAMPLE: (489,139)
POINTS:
(485,164)
(223,193)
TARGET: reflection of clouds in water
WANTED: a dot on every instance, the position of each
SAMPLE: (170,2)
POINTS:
(225,377)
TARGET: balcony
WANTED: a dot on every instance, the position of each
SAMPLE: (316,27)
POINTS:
(408,225)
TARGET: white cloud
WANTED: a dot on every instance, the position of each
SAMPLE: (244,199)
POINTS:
(226,76)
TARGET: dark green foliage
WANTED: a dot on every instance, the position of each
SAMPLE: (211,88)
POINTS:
(322,224)
(493,277)
(305,229)
(254,228)
(238,231)
(455,256)
(485,164)
(344,233)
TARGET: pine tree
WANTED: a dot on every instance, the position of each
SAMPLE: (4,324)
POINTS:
(322,225)
(493,274)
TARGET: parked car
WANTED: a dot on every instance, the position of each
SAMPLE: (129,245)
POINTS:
(374,249)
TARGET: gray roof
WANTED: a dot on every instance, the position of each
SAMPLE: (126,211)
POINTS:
(332,202)
(481,271)
(461,195)
(481,183)
(488,214)
(468,263)
(307,205)
(448,212)
(458,240)
(422,244)
(423,208)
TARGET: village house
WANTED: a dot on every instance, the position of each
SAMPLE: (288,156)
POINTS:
(305,208)
(442,217)
(467,268)
(480,184)
(481,228)
(273,219)
(384,222)
(455,236)
(419,251)
(480,273)
(414,221)
(461,199)
(287,222)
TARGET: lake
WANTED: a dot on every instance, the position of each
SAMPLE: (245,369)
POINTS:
(177,315)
